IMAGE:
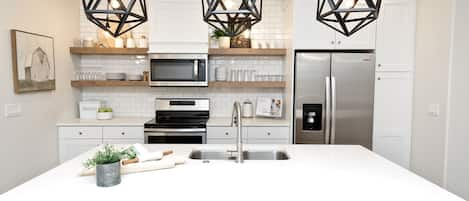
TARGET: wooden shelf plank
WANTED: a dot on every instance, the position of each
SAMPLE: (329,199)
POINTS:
(248,84)
(108,83)
(108,51)
(246,52)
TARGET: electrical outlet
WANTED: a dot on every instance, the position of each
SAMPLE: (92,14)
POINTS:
(12,110)
(434,110)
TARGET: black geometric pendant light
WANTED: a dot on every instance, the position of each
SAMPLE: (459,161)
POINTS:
(232,17)
(347,16)
(116,16)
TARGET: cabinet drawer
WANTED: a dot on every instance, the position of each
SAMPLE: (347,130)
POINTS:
(268,141)
(80,132)
(268,132)
(123,133)
(224,133)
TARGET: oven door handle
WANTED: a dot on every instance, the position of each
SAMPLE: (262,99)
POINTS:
(196,69)
(169,130)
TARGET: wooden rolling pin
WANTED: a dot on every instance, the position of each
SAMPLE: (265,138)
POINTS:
(148,157)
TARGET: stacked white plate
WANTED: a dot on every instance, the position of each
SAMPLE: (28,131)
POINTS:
(134,77)
(115,76)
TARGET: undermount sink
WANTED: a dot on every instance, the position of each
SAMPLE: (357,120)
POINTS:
(230,155)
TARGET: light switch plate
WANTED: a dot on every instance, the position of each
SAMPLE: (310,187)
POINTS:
(434,110)
(12,110)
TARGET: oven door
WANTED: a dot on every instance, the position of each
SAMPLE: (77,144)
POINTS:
(175,136)
(178,70)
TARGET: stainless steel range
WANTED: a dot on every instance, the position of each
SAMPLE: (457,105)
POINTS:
(179,121)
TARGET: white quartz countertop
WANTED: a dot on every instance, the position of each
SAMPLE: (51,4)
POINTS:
(226,121)
(129,121)
(314,172)
(113,122)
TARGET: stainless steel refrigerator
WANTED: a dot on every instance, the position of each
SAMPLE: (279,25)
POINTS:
(334,97)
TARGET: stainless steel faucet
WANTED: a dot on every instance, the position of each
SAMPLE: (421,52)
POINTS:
(236,120)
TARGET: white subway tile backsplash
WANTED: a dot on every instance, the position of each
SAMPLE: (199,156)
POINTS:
(139,102)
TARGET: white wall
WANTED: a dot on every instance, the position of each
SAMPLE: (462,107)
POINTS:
(28,144)
(457,171)
(431,86)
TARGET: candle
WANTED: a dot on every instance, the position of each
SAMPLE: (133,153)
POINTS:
(119,43)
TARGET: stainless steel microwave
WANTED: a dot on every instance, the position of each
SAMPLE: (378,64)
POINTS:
(179,70)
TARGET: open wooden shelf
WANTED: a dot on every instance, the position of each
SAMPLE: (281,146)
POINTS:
(248,84)
(108,51)
(108,83)
(246,52)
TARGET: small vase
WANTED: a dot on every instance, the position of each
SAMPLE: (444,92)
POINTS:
(104,115)
(224,42)
(108,175)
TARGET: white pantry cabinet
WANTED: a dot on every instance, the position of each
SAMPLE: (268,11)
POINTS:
(395,45)
(176,26)
(310,34)
(393,116)
(74,141)
(251,135)
(395,59)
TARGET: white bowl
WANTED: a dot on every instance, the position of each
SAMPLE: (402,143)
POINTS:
(104,115)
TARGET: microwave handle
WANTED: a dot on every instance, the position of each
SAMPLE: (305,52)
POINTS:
(196,68)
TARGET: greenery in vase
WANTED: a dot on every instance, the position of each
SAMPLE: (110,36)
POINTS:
(105,109)
(218,33)
(110,155)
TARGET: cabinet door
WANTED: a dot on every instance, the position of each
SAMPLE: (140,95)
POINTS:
(393,116)
(176,26)
(224,135)
(123,133)
(124,141)
(268,135)
(363,39)
(71,148)
(395,44)
(80,132)
(308,33)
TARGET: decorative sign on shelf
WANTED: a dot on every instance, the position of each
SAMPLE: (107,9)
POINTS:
(33,62)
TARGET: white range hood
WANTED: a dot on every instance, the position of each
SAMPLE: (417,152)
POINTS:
(176,26)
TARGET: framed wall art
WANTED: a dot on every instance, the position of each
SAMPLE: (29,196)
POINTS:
(33,62)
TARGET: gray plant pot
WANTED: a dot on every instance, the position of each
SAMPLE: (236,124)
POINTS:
(108,175)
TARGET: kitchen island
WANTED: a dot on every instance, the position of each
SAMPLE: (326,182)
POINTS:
(313,172)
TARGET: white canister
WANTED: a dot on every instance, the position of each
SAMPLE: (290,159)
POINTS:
(142,42)
(224,42)
(220,74)
(130,43)
(119,43)
(248,109)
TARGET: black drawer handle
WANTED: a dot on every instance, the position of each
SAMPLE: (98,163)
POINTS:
(80,133)
(227,133)
(123,133)
(269,133)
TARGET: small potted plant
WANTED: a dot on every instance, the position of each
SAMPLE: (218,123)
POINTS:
(107,163)
(223,39)
(104,113)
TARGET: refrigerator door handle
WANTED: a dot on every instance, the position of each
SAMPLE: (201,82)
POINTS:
(333,109)
(327,133)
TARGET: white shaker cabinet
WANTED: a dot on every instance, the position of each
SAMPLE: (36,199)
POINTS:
(310,34)
(395,57)
(74,141)
(393,116)
(395,45)
(251,135)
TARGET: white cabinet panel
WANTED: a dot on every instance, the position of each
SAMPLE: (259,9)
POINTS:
(391,147)
(80,132)
(396,36)
(393,115)
(363,39)
(269,141)
(123,141)
(123,132)
(176,26)
(221,132)
(268,133)
(308,33)
(72,148)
